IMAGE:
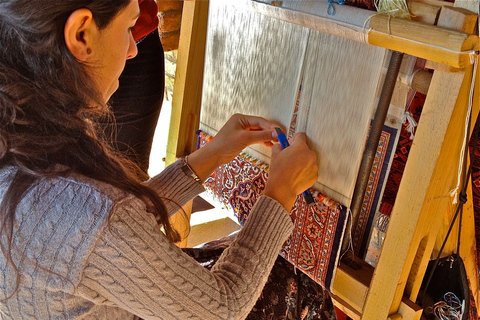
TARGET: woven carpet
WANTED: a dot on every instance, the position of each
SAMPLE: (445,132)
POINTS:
(315,244)
(398,164)
(374,191)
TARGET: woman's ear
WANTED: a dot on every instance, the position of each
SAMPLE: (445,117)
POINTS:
(79,32)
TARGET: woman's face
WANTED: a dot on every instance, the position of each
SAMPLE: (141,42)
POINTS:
(113,46)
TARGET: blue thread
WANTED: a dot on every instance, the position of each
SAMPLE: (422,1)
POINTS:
(331,8)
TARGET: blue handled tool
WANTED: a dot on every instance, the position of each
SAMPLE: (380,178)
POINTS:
(282,138)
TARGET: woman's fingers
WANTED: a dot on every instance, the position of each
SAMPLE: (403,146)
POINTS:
(292,171)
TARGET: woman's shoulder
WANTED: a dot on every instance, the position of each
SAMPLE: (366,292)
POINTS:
(59,219)
(72,195)
(78,189)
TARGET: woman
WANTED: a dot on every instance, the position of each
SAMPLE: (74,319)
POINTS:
(80,235)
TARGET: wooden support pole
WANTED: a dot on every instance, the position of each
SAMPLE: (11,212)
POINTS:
(424,192)
(429,177)
(187,95)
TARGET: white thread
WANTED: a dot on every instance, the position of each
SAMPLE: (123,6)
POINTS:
(400,9)
(454,192)
(365,34)
(412,124)
(350,241)
(472,56)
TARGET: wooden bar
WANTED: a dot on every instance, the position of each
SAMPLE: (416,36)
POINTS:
(419,39)
(188,79)
(461,19)
(409,310)
(440,3)
(424,12)
(433,43)
(187,96)
(357,280)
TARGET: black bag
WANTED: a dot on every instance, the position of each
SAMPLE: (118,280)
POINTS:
(449,276)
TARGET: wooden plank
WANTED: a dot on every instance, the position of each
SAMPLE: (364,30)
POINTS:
(418,39)
(471,5)
(454,18)
(346,308)
(440,3)
(186,101)
(187,95)
(351,284)
(424,191)
(462,19)
(424,12)
(409,310)
(458,19)
(421,81)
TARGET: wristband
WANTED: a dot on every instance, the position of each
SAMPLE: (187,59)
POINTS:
(188,171)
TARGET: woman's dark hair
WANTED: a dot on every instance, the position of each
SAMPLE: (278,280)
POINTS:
(48,107)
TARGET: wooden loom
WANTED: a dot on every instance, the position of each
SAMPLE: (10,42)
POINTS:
(389,290)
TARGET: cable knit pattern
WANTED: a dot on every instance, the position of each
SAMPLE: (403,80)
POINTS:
(109,260)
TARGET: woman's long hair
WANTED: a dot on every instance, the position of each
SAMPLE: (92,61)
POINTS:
(47,125)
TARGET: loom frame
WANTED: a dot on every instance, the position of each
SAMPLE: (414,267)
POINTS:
(389,290)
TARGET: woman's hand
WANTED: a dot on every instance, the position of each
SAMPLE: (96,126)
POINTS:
(238,132)
(292,171)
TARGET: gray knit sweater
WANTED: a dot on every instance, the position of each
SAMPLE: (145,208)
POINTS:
(108,259)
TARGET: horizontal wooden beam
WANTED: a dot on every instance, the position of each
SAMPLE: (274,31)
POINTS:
(422,40)
(443,45)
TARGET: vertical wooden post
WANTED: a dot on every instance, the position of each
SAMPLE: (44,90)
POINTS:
(187,95)
(461,19)
(424,195)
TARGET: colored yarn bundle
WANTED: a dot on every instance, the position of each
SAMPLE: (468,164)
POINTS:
(450,308)
(394,8)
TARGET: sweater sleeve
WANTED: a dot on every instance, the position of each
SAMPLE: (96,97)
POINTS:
(175,187)
(134,267)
